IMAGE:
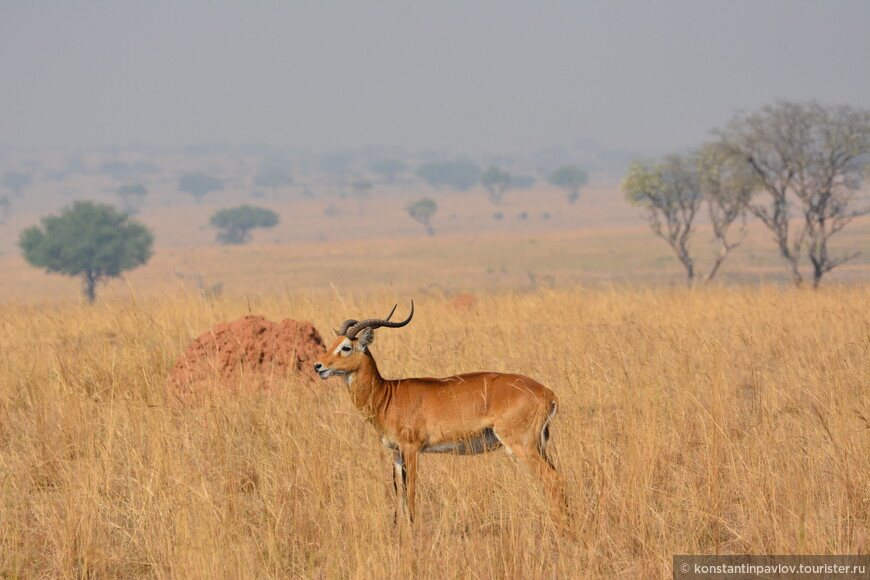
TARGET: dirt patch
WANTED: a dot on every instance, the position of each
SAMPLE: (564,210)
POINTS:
(246,355)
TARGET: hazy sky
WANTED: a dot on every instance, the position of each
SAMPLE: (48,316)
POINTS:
(473,75)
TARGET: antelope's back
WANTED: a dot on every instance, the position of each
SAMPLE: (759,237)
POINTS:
(481,393)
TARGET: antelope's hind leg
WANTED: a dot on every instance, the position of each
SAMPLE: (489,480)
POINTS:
(532,453)
(405,481)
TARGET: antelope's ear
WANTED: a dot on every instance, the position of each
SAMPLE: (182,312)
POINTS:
(334,333)
(366,338)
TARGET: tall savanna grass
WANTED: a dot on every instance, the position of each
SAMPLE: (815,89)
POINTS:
(707,421)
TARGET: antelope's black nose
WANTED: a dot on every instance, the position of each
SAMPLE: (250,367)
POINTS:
(318,366)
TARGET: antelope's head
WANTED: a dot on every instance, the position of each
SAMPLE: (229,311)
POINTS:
(351,346)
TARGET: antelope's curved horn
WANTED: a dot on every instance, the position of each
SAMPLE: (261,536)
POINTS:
(345,325)
(350,322)
(377,323)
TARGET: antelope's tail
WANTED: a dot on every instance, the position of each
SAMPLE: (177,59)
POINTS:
(544,438)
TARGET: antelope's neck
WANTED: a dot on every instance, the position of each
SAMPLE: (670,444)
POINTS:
(369,392)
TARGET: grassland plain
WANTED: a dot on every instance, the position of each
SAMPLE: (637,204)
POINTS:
(721,420)
(456,263)
(332,215)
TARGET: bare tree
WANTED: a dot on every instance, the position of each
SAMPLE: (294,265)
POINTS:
(670,192)
(727,185)
(809,159)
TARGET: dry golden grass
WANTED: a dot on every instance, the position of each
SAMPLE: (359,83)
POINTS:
(715,421)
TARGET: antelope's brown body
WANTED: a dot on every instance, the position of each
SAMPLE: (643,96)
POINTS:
(467,414)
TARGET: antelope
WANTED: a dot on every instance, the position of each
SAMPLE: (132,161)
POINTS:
(465,414)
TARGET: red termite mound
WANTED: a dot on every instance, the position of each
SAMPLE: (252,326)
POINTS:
(245,355)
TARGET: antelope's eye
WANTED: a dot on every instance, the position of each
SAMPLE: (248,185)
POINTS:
(346,348)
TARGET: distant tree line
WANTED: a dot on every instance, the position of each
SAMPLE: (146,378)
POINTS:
(796,167)
(458,174)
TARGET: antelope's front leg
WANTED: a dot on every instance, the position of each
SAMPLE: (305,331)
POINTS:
(400,485)
(410,455)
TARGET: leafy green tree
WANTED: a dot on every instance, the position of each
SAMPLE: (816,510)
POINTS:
(496,183)
(199,184)
(571,178)
(422,211)
(459,174)
(132,197)
(387,168)
(236,223)
(273,178)
(17,182)
(809,159)
(89,240)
